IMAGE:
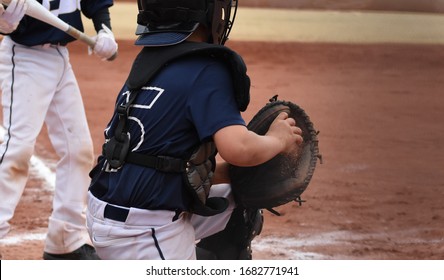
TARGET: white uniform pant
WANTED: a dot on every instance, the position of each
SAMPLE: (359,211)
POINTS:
(38,86)
(153,234)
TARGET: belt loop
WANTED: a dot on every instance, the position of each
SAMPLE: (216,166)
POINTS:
(176,217)
(115,213)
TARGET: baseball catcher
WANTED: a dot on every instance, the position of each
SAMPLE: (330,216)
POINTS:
(158,190)
(286,176)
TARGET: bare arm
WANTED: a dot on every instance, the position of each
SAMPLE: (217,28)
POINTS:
(239,146)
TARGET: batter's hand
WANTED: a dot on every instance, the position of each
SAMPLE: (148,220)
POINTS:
(106,45)
(11,17)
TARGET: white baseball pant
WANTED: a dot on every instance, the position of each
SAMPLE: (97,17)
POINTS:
(39,87)
(153,234)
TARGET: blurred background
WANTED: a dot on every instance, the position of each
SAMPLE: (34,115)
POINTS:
(430,6)
(345,21)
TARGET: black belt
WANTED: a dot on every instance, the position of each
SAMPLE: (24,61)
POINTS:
(115,213)
(120,214)
(59,44)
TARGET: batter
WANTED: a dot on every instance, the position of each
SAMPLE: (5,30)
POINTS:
(39,87)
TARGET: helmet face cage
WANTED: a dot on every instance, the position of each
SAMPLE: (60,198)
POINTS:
(222,20)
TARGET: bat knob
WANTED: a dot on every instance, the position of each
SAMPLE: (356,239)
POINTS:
(112,57)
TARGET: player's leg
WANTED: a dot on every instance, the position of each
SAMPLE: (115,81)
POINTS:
(25,99)
(120,233)
(70,136)
(231,232)
(234,241)
(206,226)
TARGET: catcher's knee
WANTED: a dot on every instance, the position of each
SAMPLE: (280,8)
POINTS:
(234,242)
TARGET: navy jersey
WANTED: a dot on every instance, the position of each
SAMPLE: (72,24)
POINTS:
(184,105)
(32,32)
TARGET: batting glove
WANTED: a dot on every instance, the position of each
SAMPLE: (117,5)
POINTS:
(11,17)
(106,45)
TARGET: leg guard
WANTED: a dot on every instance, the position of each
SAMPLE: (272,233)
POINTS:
(234,242)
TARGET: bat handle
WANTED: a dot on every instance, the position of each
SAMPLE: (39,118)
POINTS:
(86,39)
(81,36)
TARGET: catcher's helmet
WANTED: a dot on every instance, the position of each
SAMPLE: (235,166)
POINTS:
(169,22)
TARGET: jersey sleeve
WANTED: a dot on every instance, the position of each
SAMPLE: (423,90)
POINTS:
(90,7)
(212,103)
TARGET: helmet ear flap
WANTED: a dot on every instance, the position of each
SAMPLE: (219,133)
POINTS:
(217,21)
(221,21)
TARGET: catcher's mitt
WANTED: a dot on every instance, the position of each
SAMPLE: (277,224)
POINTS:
(286,176)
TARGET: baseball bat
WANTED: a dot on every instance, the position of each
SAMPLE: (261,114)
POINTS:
(39,12)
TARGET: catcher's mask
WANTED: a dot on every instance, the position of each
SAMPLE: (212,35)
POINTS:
(169,22)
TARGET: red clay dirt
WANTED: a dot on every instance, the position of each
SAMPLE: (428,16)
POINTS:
(380,111)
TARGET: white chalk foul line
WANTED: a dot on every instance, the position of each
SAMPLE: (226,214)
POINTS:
(43,172)
(22,238)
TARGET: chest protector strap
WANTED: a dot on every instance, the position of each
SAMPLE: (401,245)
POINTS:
(198,169)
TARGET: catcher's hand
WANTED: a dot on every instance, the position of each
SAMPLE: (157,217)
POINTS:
(283,128)
(286,176)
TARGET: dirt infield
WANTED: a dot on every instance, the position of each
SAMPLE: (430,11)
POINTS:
(379,109)
(378,194)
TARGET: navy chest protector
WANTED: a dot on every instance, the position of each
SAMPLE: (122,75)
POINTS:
(198,168)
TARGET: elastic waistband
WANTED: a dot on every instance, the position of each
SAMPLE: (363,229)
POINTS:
(131,216)
(49,45)
(8,40)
